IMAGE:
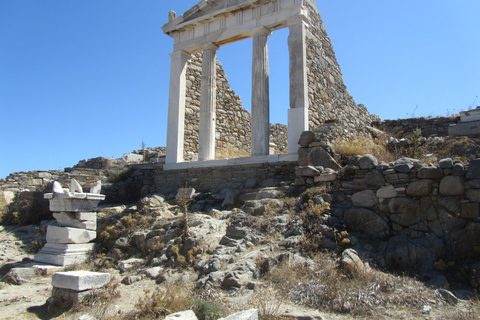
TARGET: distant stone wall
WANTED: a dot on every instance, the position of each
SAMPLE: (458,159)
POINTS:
(233,121)
(402,128)
(328,97)
(414,214)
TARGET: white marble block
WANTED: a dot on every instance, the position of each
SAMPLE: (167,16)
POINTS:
(71,219)
(80,280)
(61,254)
(69,235)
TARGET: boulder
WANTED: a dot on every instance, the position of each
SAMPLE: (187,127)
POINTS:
(364,199)
(452,186)
(420,188)
(367,162)
(307,171)
(473,171)
(386,192)
(446,163)
(306,138)
(316,156)
(375,179)
(20,275)
(430,173)
(351,262)
(366,221)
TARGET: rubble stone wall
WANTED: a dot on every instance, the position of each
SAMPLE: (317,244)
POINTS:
(403,128)
(328,97)
(417,214)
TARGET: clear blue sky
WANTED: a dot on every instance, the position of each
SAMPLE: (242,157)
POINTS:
(89,78)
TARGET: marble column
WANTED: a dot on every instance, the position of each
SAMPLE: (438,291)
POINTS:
(260,94)
(176,107)
(298,112)
(208,101)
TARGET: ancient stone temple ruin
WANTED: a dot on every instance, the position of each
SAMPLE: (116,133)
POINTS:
(317,92)
(74,210)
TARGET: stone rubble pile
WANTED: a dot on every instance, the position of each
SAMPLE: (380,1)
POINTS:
(75,213)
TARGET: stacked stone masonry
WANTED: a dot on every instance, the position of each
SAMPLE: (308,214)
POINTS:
(403,128)
(420,213)
(233,124)
(328,97)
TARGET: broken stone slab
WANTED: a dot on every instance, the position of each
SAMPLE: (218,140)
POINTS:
(80,280)
(61,254)
(470,115)
(182,315)
(20,275)
(73,202)
(69,235)
(69,219)
(251,314)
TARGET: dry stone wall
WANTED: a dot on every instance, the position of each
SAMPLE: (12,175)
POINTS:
(413,214)
(403,128)
(233,121)
(328,97)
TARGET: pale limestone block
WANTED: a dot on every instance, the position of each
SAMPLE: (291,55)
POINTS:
(80,280)
(66,219)
(69,235)
(61,254)
(182,315)
(96,187)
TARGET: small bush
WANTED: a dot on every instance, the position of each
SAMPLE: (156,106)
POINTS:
(208,310)
(162,303)
(362,146)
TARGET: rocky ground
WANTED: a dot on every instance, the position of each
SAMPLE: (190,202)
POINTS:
(259,256)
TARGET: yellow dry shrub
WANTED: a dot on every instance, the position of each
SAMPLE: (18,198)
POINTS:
(361,146)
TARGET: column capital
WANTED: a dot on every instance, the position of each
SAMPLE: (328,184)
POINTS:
(263,31)
(210,46)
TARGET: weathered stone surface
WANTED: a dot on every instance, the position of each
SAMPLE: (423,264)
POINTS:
(244,315)
(375,179)
(307,171)
(231,198)
(446,163)
(364,199)
(80,280)
(306,138)
(430,173)
(69,219)
(464,129)
(366,221)
(465,241)
(387,192)
(356,185)
(452,186)
(316,156)
(69,235)
(351,262)
(420,188)
(473,195)
(182,315)
(368,162)
(20,275)
(62,254)
(473,171)
(405,212)
(403,253)
(470,210)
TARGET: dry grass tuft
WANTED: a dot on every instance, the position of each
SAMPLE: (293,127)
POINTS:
(329,289)
(361,146)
